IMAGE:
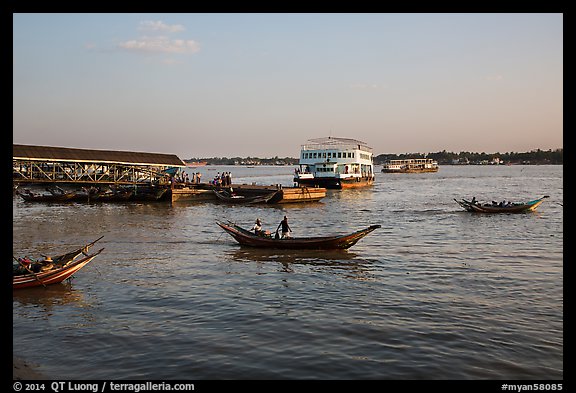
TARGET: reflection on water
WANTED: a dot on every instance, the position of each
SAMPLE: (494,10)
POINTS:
(49,297)
(343,262)
(436,293)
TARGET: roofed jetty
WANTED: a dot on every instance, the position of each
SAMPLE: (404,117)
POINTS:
(48,165)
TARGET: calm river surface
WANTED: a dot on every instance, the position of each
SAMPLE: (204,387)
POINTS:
(436,293)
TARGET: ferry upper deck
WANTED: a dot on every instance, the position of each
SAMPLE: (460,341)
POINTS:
(331,149)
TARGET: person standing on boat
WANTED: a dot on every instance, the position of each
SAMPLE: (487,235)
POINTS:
(285,228)
(257,228)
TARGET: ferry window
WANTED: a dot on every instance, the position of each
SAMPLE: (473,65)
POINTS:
(349,155)
(314,155)
(323,155)
(339,155)
(329,155)
(352,155)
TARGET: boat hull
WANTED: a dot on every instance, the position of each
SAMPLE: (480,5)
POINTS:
(247,238)
(65,268)
(299,195)
(515,208)
(50,277)
(333,183)
(241,198)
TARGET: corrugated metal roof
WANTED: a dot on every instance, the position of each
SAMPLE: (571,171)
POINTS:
(107,156)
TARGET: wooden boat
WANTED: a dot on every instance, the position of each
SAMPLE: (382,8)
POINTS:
(63,267)
(57,194)
(248,238)
(113,195)
(238,197)
(298,195)
(30,196)
(517,207)
(149,194)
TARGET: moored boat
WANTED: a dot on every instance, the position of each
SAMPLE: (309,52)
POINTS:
(298,195)
(502,207)
(51,270)
(30,196)
(248,238)
(335,163)
(113,195)
(239,197)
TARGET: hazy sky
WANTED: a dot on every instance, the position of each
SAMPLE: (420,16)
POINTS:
(226,85)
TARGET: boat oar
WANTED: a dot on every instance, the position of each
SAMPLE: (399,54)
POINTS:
(30,271)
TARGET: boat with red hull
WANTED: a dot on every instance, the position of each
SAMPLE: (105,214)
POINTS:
(62,267)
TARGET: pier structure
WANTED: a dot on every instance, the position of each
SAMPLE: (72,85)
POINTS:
(47,164)
(147,172)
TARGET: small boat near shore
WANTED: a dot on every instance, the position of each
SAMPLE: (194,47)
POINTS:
(237,197)
(51,270)
(30,196)
(248,238)
(502,207)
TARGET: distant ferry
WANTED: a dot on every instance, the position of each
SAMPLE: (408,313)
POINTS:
(196,164)
(335,163)
(410,165)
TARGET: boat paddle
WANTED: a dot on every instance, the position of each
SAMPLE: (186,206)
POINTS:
(26,267)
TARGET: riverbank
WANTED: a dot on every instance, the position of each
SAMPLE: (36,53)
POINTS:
(24,370)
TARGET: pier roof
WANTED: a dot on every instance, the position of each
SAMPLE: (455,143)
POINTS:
(52,153)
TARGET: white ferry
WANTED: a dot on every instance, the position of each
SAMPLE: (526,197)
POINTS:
(335,163)
(410,165)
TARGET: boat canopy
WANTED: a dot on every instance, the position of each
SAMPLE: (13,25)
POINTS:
(331,142)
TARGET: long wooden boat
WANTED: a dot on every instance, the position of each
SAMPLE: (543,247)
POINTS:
(30,196)
(63,267)
(116,195)
(149,194)
(57,194)
(239,198)
(248,238)
(517,207)
(298,195)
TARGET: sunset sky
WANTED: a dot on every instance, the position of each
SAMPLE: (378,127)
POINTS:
(226,85)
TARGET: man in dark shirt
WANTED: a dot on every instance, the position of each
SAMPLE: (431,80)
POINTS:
(285,228)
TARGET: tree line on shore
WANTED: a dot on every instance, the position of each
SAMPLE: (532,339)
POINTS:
(534,157)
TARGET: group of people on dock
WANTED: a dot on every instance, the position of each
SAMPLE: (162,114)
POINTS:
(182,177)
(222,180)
(257,228)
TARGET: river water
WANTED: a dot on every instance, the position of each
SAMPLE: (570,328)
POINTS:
(436,293)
